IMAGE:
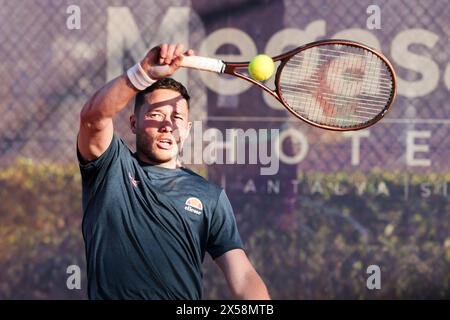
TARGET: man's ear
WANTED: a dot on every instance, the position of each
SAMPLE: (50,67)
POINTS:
(189,129)
(133,123)
(186,133)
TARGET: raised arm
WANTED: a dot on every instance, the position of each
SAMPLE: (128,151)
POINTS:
(96,117)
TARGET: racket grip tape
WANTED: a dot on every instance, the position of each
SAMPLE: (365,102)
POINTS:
(196,62)
(204,64)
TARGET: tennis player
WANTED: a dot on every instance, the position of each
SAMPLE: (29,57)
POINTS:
(147,221)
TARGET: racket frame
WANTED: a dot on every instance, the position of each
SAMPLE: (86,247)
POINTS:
(230,68)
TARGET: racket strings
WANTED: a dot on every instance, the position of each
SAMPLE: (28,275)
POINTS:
(386,78)
(337,85)
(342,104)
(377,98)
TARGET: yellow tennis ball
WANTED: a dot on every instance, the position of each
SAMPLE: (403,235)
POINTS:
(261,67)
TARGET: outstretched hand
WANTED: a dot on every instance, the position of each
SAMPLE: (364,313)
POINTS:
(163,60)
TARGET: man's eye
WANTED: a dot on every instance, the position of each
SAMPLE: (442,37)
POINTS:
(179,117)
(154,115)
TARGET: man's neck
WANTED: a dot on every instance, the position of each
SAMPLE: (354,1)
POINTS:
(172,164)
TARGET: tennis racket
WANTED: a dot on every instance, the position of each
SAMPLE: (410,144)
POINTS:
(332,84)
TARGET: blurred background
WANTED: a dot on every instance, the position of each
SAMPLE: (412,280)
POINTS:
(338,203)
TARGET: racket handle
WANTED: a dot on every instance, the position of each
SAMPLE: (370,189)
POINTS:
(204,64)
(196,62)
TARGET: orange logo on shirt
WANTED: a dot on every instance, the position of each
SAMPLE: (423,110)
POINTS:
(194,205)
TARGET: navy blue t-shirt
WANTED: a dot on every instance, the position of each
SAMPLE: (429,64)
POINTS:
(146,228)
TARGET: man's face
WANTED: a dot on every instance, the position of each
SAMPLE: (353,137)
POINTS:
(161,127)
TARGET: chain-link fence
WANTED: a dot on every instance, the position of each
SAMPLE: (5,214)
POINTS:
(338,202)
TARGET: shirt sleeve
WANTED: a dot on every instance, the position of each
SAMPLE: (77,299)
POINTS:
(93,171)
(223,234)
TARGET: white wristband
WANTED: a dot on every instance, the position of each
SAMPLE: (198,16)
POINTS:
(139,78)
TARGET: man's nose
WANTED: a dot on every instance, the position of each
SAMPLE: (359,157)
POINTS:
(167,126)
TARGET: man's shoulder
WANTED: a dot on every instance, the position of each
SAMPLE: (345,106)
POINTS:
(115,154)
(214,188)
(123,152)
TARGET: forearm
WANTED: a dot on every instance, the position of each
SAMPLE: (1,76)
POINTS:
(252,288)
(109,100)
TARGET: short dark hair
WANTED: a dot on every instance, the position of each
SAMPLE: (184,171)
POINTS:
(164,83)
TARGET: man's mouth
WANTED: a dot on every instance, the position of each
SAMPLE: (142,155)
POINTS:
(165,143)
